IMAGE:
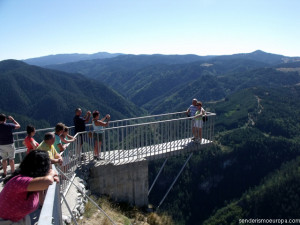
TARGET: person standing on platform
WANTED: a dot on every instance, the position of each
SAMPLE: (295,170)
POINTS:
(190,112)
(98,125)
(199,122)
(7,146)
(79,121)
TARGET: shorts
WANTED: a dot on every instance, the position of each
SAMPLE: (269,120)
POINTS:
(7,151)
(193,122)
(98,137)
(198,123)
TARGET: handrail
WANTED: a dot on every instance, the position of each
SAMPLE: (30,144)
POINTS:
(113,121)
(123,142)
(51,210)
(155,122)
(82,192)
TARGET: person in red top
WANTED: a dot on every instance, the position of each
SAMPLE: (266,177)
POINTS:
(22,191)
(29,142)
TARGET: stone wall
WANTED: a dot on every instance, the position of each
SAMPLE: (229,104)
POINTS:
(127,182)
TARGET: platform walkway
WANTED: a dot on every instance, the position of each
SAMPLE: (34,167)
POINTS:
(126,142)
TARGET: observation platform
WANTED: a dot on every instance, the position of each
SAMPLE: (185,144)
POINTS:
(127,147)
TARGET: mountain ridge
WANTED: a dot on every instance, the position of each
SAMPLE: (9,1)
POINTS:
(67,58)
(49,95)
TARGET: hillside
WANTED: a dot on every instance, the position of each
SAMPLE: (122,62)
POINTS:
(284,184)
(67,58)
(52,96)
(254,140)
(156,82)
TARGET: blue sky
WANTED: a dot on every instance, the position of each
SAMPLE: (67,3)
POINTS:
(32,28)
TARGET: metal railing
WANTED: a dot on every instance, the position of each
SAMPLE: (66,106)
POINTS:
(125,141)
(142,140)
(51,211)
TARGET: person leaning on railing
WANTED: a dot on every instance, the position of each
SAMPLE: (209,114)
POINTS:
(47,145)
(29,141)
(59,129)
(7,146)
(66,139)
(98,125)
(22,192)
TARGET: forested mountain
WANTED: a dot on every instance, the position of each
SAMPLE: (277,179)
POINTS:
(261,56)
(251,171)
(166,83)
(51,96)
(67,58)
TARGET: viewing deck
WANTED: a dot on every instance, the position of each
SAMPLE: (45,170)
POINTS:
(124,142)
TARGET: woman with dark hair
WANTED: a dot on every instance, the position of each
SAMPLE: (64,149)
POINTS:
(29,141)
(98,131)
(20,195)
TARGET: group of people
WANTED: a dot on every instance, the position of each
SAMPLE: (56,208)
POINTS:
(25,188)
(198,113)
(98,125)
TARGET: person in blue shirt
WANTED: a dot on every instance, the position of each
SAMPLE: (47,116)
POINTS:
(59,129)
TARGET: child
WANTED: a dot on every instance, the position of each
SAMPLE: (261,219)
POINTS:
(65,137)
(29,142)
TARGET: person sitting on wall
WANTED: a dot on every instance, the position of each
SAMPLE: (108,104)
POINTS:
(29,141)
(23,190)
(47,145)
(7,146)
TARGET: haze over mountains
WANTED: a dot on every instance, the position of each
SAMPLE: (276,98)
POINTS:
(253,169)
(67,58)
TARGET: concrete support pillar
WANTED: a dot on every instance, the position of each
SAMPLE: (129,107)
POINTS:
(127,182)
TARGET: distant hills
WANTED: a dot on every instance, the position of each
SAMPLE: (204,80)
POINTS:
(67,58)
(45,96)
(165,83)
(252,171)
